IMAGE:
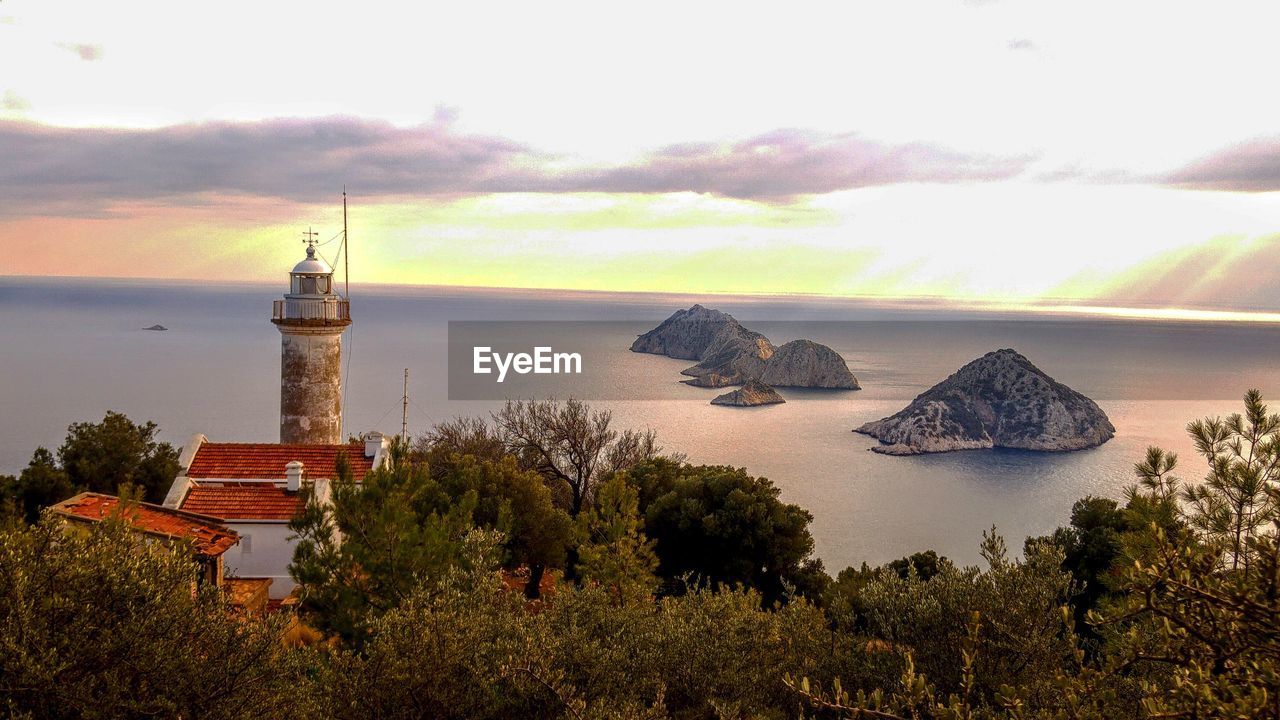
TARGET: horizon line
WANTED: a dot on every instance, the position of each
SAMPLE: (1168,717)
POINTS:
(1034,306)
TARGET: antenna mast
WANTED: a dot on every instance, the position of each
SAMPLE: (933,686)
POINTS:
(346,249)
(404,414)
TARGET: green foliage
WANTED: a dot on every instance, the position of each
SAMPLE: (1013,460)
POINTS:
(1179,586)
(925,565)
(1205,641)
(842,598)
(725,527)
(472,650)
(1091,546)
(95,623)
(1237,498)
(654,478)
(615,552)
(1017,604)
(572,446)
(41,484)
(513,501)
(1199,620)
(445,444)
(100,457)
(374,543)
(103,456)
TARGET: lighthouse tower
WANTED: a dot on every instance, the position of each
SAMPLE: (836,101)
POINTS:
(311,319)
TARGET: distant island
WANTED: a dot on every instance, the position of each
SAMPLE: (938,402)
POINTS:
(156,328)
(750,395)
(1000,400)
(729,354)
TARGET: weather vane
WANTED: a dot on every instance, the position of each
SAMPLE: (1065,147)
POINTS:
(309,237)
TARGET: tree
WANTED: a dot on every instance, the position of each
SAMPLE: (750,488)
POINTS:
(103,456)
(615,552)
(1209,639)
(572,446)
(516,503)
(1018,606)
(654,478)
(1237,497)
(96,623)
(925,565)
(361,554)
(727,527)
(1091,547)
(41,484)
(448,442)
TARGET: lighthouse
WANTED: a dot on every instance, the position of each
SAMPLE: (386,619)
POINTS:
(311,319)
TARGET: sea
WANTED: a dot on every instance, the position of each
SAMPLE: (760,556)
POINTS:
(72,349)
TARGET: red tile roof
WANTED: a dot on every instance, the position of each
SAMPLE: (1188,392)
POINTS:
(210,537)
(266,461)
(244,501)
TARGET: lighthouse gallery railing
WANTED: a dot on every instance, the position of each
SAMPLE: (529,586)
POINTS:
(311,310)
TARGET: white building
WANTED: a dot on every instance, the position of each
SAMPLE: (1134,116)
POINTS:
(256,488)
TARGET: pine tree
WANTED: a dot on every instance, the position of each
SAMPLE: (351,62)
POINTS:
(615,552)
(1238,496)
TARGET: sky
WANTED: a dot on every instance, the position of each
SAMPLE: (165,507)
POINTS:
(1064,154)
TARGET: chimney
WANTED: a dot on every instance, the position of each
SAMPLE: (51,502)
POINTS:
(293,476)
(372,443)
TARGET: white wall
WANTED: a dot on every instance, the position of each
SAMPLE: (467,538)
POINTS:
(264,551)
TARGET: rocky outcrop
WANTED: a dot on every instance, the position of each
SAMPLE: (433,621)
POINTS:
(730,354)
(999,400)
(686,334)
(805,363)
(735,356)
(751,394)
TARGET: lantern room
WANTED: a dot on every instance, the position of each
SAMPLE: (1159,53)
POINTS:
(311,277)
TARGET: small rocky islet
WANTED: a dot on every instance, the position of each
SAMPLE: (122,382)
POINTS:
(1000,400)
(752,394)
(729,354)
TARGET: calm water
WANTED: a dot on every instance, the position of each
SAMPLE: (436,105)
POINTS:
(72,349)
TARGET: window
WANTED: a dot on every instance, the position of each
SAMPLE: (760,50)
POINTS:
(308,285)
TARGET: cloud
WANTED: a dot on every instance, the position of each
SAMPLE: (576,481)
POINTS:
(786,163)
(1021,44)
(49,169)
(292,160)
(1252,166)
(86,51)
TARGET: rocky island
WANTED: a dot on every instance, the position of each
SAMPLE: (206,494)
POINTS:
(751,394)
(805,363)
(686,334)
(729,354)
(999,400)
(733,357)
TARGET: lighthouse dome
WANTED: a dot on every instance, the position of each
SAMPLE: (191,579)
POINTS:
(312,265)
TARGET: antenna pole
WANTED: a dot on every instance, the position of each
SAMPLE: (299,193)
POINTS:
(404,415)
(346,249)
